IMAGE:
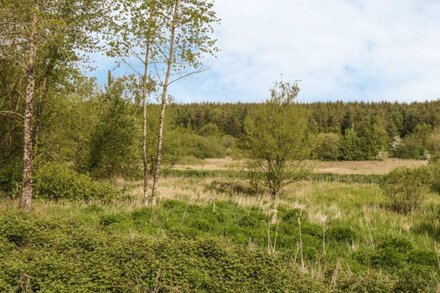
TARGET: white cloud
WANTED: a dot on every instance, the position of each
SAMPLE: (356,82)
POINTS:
(340,49)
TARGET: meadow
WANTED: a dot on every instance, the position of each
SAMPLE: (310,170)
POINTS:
(113,179)
(210,233)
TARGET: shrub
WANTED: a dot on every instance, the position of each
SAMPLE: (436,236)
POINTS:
(350,146)
(434,158)
(77,255)
(209,129)
(57,182)
(435,170)
(413,280)
(410,148)
(405,187)
(328,148)
(342,234)
(415,146)
(201,147)
(369,281)
(400,245)
(10,176)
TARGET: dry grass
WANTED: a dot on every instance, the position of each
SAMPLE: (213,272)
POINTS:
(362,205)
(198,191)
(364,167)
(212,164)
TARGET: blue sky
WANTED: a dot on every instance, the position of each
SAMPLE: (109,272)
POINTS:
(364,50)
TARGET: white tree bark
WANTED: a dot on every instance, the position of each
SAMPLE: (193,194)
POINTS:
(165,85)
(28,116)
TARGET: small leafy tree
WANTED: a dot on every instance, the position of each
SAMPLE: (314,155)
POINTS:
(405,188)
(113,148)
(276,140)
(136,32)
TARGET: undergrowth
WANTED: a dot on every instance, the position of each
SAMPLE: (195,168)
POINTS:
(218,247)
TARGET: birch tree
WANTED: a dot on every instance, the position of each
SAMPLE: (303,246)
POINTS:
(137,33)
(44,35)
(188,33)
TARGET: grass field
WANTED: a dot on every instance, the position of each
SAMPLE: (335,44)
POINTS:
(211,234)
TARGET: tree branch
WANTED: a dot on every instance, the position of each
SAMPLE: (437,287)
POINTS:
(188,74)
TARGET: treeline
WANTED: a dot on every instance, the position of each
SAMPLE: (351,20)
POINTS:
(345,131)
(100,131)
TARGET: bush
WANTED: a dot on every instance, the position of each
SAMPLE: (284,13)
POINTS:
(201,147)
(435,170)
(10,177)
(350,146)
(75,255)
(415,146)
(57,182)
(369,281)
(410,148)
(342,234)
(405,187)
(328,148)
(209,129)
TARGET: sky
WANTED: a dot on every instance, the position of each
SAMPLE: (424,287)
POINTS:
(349,50)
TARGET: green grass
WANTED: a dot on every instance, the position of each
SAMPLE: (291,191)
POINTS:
(329,237)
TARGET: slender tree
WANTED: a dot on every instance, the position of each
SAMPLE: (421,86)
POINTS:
(189,31)
(29,109)
(137,33)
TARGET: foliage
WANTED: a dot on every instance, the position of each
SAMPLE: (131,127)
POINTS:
(415,145)
(57,182)
(202,146)
(115,141)
(435,171)
(89,254)
(276,140)
(193,247)
(328,147)
(372,137)
(405,188)
(10,177)
(350,146)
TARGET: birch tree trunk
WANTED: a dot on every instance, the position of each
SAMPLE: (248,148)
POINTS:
(170,63)
(28,116)
(144,141)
